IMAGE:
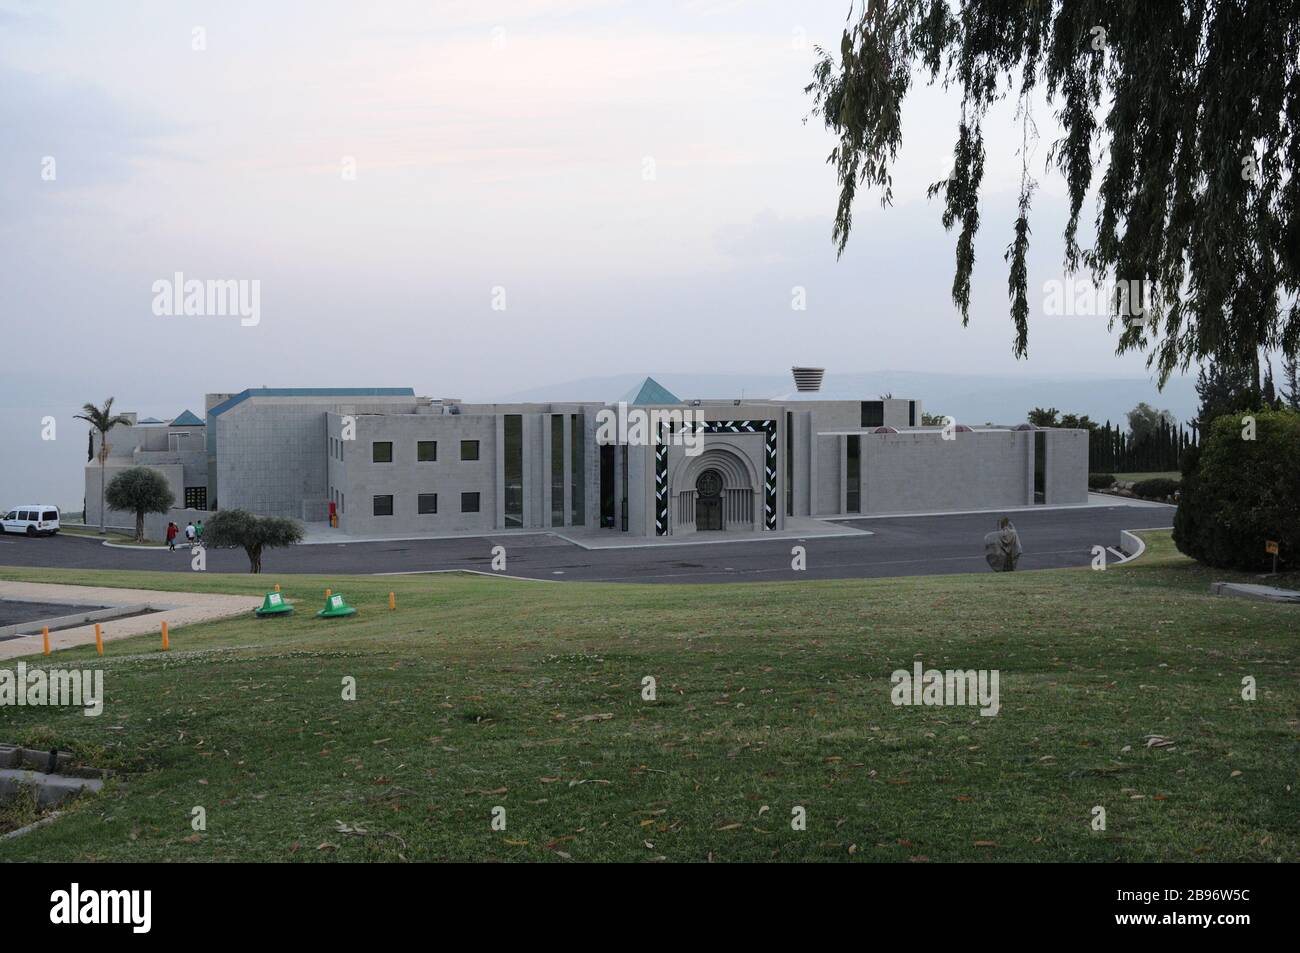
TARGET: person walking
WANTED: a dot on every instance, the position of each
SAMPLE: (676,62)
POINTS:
(198,532)
(189,533)
(171,536)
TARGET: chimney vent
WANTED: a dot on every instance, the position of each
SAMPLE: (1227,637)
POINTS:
(808,379)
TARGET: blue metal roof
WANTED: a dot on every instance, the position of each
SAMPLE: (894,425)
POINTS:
(187,419)
(243,395)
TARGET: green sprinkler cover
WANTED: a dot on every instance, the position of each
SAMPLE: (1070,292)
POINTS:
(274,604)
(335,607)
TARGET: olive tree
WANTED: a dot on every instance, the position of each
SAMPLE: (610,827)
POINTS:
(240,529)
(139,490)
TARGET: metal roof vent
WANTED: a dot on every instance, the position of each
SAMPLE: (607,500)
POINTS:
(808,379)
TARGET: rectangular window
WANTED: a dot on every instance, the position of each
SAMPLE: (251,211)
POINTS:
(469,502)
(853,475)
(384,505)
(911,413)
(577,467)
(514,469)
(426,451)
(196,497)
(873,413)
(50,515)
(428,503)
(381,451)
(557,469)
(469,449)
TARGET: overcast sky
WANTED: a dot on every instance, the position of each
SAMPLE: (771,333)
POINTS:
(497,144)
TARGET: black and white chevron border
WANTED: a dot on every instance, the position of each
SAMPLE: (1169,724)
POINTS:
(661,484)
(766,427)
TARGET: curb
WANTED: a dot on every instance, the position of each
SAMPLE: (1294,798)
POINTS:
(1131,545)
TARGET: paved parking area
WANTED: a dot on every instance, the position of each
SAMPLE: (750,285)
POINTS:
(176,608)
(894,546)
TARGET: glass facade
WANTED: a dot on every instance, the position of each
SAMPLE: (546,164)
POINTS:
(607,486)
(623,515)
(873,413)
(1040,465)
(789,463)
(577,470)
(557,469)
(853,475)
(514,469)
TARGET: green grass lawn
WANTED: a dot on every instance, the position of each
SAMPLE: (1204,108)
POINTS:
(481,692)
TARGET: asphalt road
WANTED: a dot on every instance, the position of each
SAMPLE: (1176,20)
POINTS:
(905,546)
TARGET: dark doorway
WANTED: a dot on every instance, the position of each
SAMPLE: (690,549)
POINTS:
(708,500)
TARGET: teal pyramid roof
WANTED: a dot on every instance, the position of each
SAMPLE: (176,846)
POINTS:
(187,419)
(650,391)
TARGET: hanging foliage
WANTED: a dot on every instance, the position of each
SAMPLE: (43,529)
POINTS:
(1197,104)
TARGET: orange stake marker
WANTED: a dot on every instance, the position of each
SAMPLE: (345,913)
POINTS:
(277,587)
(99,640)
(45,635)
(167,645)
(392,600)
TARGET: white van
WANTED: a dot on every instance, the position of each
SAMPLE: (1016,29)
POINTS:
(34,519)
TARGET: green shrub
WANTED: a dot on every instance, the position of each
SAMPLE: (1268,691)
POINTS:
(1100,481)
(1242,493)
(1159,488)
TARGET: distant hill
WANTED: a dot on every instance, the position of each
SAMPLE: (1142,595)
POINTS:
(970,398)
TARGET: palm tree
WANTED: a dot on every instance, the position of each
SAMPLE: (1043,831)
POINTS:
(102,419)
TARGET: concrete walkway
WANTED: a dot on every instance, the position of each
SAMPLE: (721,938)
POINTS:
(586,538)
(178,609)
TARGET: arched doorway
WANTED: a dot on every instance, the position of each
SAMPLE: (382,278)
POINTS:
(708,500)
